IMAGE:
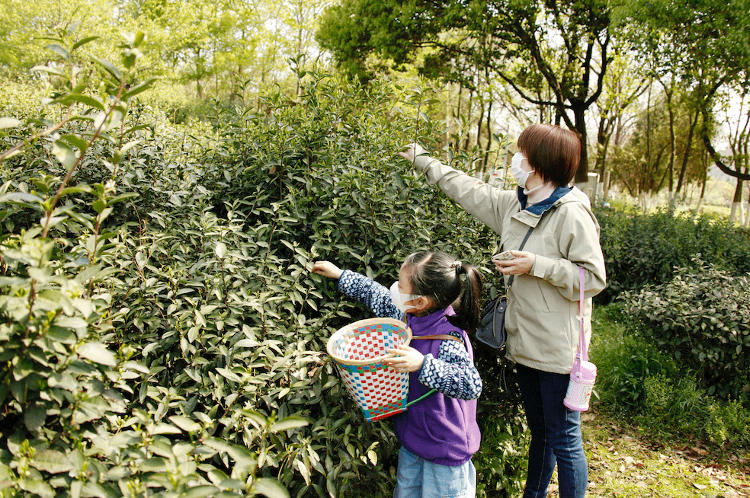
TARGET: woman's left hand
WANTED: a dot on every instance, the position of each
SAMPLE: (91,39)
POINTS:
(521,265)
(407,359)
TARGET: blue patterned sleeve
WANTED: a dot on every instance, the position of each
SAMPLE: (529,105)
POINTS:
(452,373)
(368,292)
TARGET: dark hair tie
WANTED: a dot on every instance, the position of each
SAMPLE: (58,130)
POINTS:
(459,266)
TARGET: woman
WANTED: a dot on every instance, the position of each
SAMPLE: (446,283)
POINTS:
(541,320)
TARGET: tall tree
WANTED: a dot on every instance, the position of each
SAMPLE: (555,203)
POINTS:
(708,45)
(563,45)
(625,82)
(735,113)
(23,24)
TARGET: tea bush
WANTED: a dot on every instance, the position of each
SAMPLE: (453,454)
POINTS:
(644,249)
(318,178)
(162,333)
(650,388)
(702,318)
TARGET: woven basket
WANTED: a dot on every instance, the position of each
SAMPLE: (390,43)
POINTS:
(359,350)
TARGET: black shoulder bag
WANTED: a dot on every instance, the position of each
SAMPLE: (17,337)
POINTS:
(491,330)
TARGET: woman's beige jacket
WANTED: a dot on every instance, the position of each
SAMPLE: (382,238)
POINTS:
(542,319)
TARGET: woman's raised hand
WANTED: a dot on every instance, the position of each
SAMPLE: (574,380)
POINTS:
(411,151)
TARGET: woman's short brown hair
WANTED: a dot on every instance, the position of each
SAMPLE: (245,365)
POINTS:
(553,152)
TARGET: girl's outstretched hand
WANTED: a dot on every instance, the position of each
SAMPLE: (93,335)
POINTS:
(326,269)
(407,359)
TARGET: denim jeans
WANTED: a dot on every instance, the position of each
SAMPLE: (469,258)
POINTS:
(555,435)
(418,478)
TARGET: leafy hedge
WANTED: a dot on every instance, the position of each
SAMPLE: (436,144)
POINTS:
(644,249)
(702,318)
(161,330)
(319,177)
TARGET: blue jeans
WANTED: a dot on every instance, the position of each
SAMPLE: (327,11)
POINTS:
(555,435)
(418,478)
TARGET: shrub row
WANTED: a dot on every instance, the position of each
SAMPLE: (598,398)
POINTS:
(162,333)
(644,249)
(652,388)
(702,318)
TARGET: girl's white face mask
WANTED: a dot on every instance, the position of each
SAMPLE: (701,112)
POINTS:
(399,298)
(519,173)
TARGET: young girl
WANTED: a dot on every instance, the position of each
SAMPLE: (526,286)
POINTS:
(438,434)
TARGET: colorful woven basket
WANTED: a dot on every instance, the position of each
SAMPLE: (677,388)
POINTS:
(359,350)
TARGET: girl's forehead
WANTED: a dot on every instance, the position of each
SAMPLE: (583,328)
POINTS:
(404,275)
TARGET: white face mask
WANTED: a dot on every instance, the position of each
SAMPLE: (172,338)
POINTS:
(518,173)
(399,298)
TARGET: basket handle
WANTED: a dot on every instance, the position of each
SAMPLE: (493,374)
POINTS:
(419,398)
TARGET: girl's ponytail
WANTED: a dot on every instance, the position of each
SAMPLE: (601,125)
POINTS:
(469,307)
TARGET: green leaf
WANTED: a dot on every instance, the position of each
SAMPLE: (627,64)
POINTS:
(140,88)
(80,43)
(98,353)
(289,423)
(78,189)
(246,343)
(59,50)
(153,465)
(51,461)
(81,99)
(134,365)
(109,67)
(34,417)
(228,374)
(21,197)
(165,429)
(76,141)
(8,123)
(185,423)
(37,487)
(64,154)
(122,197)
(270,488)
(221,249)
(201,492)
(48,69)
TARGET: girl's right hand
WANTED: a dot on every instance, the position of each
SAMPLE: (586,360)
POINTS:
(326,269)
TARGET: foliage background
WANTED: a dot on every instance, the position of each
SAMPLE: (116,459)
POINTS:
(161,332)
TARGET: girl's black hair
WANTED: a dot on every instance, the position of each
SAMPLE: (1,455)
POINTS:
(438,275)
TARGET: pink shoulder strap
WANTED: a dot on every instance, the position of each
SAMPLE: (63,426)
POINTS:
(582,349)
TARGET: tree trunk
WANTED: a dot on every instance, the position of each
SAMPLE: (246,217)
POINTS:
(489,132)
(704,160)
(468,113)
(736,204)
(686,156)
(480,167)
(448,114)
(582,173)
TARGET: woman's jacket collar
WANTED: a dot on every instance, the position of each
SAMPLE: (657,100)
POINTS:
(532,214)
